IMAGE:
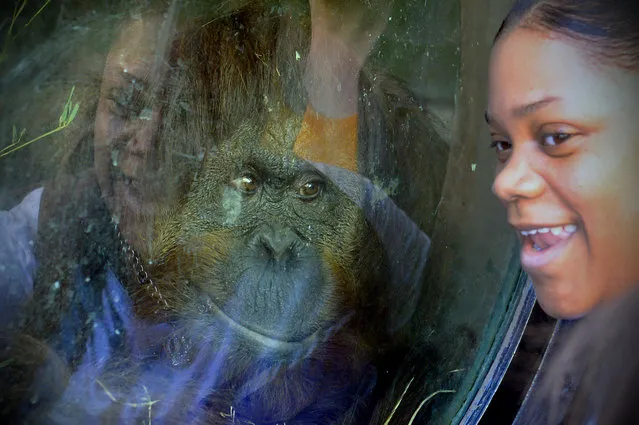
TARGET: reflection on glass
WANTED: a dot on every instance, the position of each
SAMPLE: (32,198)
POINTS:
(127,122)
(239,229)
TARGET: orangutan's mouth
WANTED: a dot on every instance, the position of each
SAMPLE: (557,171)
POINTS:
(266,341)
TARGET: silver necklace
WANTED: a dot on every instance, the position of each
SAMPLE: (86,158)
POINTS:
(142,277)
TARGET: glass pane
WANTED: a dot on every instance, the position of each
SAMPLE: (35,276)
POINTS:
(250,212)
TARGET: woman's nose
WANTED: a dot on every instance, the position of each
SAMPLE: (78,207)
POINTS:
(518,179)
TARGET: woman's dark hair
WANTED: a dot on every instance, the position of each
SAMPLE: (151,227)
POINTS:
(607,30)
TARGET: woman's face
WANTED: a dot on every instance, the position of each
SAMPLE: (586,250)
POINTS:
(126,128)
(567,136)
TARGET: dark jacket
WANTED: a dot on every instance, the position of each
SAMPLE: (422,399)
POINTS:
(592,375)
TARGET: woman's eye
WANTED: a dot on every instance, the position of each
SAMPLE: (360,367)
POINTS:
(503,149)
(554,139)
(500,145)
(246,184)
(128,100)
(125,110)
(310,190)
(123,107)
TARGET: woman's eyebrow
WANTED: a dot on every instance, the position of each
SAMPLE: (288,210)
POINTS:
(529,108)
(523,110)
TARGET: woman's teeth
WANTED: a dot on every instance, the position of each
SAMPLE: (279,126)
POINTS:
(558,230)
(544,237)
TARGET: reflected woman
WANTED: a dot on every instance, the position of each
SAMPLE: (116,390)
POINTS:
(562,112)
(127,125)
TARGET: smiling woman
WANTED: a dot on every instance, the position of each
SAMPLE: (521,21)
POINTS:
(564,80)
(563,123)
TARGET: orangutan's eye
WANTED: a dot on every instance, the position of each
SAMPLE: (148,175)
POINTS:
(310,190)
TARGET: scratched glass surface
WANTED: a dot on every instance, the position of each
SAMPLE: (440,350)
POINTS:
(244,212)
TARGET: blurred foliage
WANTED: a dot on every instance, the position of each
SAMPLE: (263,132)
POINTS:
(69,111)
